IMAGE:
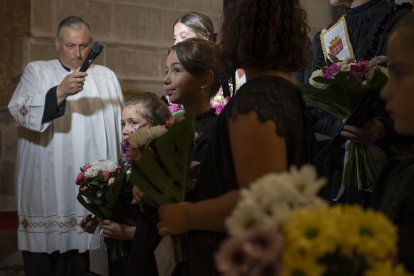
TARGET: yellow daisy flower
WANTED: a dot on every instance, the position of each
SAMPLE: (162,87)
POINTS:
(294,264)
(311,231)
(386,269)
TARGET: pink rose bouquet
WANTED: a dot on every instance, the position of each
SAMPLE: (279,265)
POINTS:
(99,184)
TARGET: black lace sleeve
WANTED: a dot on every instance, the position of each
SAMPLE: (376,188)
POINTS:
(271,98)
(277,99)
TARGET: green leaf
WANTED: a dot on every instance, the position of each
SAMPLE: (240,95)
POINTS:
(112,191)
(378,80)
(162,171)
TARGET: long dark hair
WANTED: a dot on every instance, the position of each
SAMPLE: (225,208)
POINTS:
(271,34)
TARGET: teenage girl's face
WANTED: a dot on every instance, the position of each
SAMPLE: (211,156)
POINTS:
(182,32)
(131,120)
(399,90)
(180,86)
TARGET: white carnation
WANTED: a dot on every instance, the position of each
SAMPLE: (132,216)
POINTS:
(306,180)
(92,172)
(345,67)
(103,165)
(246,216)
(317,73)
(144,135)
(218,98)
(271,199)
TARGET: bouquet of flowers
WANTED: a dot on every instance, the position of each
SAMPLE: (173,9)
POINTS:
(349,91)
(302,235)
(218,102)
(99,184)
(160,159)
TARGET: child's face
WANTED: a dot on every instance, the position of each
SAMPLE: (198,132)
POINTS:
(182,32)
(399,90)
(131,120)
(180,86)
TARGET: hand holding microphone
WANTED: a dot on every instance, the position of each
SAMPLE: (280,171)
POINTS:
(93,53)
(73,83)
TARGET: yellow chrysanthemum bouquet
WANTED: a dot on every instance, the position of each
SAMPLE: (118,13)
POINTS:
(281,227)
(339,240)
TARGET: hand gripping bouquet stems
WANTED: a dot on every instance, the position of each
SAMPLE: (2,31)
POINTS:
(99,184)
(349,90)
(160,166)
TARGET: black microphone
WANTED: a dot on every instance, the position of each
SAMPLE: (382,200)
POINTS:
(93,53)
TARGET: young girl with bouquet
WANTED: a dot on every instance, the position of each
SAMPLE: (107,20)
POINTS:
(131,222)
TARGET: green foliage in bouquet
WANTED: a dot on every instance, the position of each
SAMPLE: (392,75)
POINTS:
(162,171)
(99,184)
(350,89)
(341,94)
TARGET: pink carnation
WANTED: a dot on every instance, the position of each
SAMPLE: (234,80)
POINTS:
(218,108)
(174,107)
(80,179)
(359,69)
(331,71)
(105,175)
(86,166)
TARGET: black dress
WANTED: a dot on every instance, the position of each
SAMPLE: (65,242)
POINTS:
(138,259)
(271,98)
(394,196)
(368,27)
(204,124)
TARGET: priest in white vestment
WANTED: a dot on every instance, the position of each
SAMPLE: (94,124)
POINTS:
(66,118)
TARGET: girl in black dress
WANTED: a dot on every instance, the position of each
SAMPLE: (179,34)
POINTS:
(264,128)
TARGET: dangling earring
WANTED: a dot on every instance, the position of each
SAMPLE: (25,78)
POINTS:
(202,88)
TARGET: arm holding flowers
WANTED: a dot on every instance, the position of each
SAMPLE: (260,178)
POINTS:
(119,231)
(89,224)
(373,131)
(250,163)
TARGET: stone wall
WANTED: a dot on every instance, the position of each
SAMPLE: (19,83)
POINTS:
(136,35)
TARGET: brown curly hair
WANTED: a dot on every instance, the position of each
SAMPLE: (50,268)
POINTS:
(267,34)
